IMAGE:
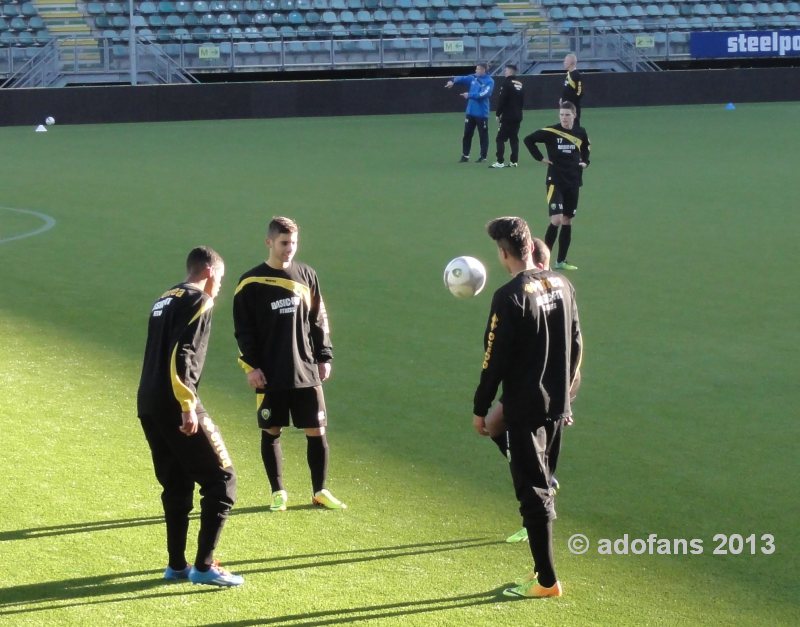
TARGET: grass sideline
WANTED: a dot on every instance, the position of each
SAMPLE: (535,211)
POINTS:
(685,423)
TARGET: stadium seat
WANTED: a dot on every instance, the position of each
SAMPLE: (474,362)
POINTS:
(183,7)
(415,15)
(458,28)
(347,17)
(745,8)
(697,23)
(745,22)
(637,10)
(604,12)
(557,13)
(227,20)
(390,30)
(286,5)
(155,21)
(278,19)
(295,18)
(793,8)
(669,10)
(621,11)
(270,32)
(573,13)
(313,18)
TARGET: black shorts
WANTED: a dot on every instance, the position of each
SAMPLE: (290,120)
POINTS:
(562,201)
(305,406)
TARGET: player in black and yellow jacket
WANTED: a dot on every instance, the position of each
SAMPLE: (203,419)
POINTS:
(186,445)
(281,327)
(567,147)
(573,85)
(533,348)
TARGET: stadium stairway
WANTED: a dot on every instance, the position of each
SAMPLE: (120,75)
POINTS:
(67,23)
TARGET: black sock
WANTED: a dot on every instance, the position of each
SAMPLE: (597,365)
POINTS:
(317,455)
(272,456)
(540,538)
(211,524)
(502,443)
(550,236)
(564,239)
(177,528)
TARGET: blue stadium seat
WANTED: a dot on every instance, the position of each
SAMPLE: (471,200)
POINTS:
(173,21)
(296,18)
(191,20)
(458,28)
(653,10)
(637,10)
(745,22)
(557,13)
(632,24)
(155,21)
(727,21)
(390,30)
(697,23)
(10,10)
(745,8)
(270,32)
(321,5)
(379,15)
(278,19)
(286,5)
(270,6)
(313,18)
(793,8)
(717,9)
(209,19)
(763,8)
(329,17)
(669,10)
(347,17)
(262,19)
(183,7)
(227,20)
(114,8)
(573,13)
(217,6)
(166,7)
(621,11)
(700,10)
(200,6)
(604,12)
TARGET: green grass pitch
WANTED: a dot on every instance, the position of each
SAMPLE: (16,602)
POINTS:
(686,426)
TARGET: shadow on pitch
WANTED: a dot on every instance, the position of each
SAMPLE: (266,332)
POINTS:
(375,612)
(113,588)
(144,584)
(103,525)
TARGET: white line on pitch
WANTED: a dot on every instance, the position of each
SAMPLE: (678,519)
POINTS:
(49,223)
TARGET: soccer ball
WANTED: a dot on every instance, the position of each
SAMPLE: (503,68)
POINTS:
(49,120)
(465,277)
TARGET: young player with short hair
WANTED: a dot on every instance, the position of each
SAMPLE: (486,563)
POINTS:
(532,346)
(567,147)
(187,447)
(281,327)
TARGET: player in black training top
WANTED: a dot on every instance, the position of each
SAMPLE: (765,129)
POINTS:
(186,445)
(509,117)
(533,347)
(567,157)
(281,327)
(573,86)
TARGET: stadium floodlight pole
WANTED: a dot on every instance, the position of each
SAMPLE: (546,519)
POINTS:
(132,44)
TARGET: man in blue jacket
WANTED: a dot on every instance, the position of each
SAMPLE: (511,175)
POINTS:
(481,86)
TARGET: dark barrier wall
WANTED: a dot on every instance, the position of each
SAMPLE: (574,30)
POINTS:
(84,105)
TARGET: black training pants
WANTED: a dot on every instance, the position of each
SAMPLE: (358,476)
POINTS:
(508,131)
(482,124)
(180,461)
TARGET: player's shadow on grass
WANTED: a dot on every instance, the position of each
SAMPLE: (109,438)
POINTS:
(103,525)
(337,558)
(374,612)
(119,587)
(114,588)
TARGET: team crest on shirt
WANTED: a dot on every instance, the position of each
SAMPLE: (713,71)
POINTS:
(553,205)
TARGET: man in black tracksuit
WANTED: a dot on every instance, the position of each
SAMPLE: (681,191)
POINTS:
(573,86)
(186,445)
(509,117)
(567,147)
(533,347)
(281,326)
